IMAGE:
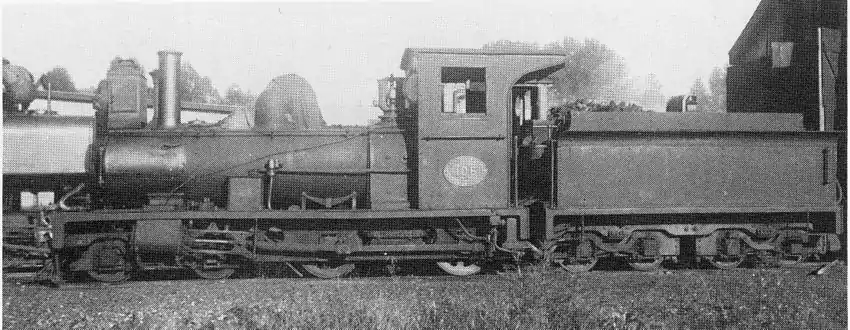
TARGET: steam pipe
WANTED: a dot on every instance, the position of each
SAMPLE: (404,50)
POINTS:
(168,115)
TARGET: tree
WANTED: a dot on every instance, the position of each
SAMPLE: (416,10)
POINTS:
(652,97)
(196,88)
(245,101)
(699,90)
(234,95)
(87,90)
(237,97)
(57,79)
(18,87)
(717,84)
(592,70)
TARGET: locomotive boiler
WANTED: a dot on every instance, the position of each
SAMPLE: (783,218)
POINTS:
(464,169)
(165,163)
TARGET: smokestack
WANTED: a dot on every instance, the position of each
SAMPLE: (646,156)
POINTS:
(169,93)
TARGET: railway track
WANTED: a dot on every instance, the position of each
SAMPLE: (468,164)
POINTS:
(613,268)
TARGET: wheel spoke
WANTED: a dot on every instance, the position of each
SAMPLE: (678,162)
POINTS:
(109,262)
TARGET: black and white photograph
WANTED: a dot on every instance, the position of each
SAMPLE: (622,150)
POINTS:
(411,164)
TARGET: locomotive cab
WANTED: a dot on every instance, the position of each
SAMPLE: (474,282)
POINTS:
(466,128)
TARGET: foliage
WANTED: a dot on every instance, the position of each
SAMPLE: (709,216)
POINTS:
(717,84)
(196,88)
(235,96)
(57,79)
(87,90)
(18,87)
(713,99)
(592,71)
(652,97)
(701,92)
(545,298)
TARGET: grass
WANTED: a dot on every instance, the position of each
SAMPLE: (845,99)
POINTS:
(534,298)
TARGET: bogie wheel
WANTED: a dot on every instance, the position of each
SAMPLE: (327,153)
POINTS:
(571,259)
(779,259)
(786,260)
(218,274)
(326,270)
(459,268)
(578,265)
(646,264)
(109,261)
(725,262)
(211,272)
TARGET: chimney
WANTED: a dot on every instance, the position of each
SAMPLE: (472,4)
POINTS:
(168,107)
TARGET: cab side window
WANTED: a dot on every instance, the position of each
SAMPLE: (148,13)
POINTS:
(464,90)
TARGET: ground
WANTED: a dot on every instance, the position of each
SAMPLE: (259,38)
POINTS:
(534,298)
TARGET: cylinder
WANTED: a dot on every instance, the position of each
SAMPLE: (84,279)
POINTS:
(169,92)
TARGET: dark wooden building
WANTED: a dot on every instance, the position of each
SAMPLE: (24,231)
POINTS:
(792,57)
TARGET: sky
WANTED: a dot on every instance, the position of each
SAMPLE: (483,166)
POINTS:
(342,48)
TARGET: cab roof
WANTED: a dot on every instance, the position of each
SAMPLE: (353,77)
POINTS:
(409,53)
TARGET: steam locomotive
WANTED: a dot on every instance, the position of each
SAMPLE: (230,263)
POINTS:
(464,169)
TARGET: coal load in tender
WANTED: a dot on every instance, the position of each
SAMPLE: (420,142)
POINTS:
(560,114)
(288,103)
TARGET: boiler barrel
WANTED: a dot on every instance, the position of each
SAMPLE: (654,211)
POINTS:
(46,144)
(323,164)
(43,153)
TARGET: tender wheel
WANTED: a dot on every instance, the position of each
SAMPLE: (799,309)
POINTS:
(574,257)
(211,270)
(325,270)
(725,262)
(459,268)
(578,266)
(109,261)
(218,274)
(786,260)
(779,259)
(646,264)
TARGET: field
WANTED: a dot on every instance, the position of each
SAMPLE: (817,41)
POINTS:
(534,298)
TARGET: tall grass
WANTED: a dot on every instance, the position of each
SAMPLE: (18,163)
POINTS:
(543,298)
(536,297)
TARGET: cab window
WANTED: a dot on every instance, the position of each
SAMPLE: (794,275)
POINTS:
(464,90)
